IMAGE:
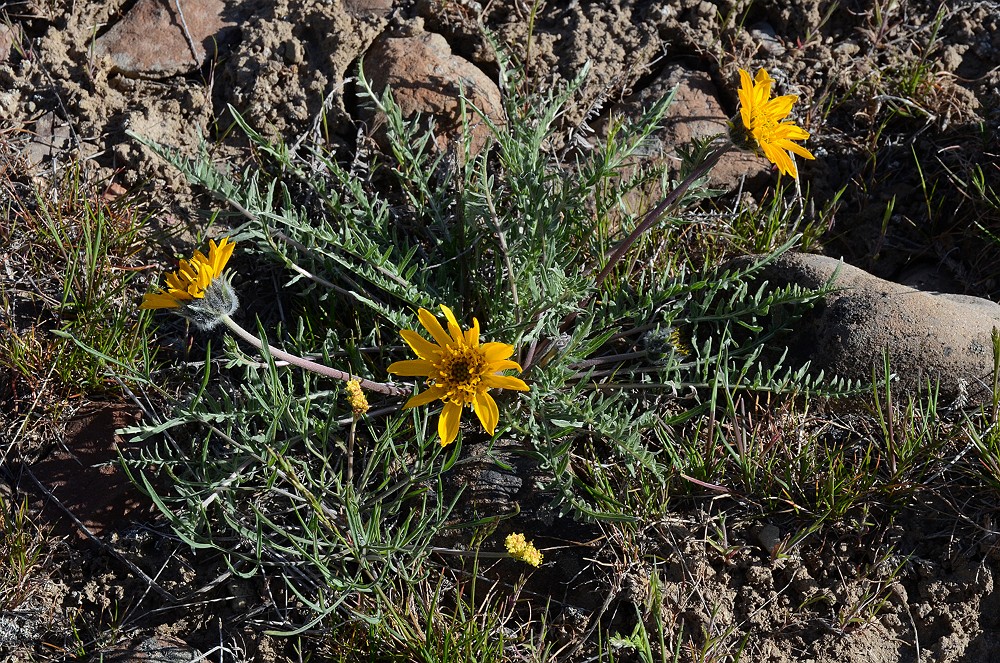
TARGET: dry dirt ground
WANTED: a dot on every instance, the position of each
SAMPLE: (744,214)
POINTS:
(885,85)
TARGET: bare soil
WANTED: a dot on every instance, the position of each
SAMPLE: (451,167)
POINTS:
(921,589)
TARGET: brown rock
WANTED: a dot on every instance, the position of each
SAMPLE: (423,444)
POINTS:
(151,40)
(84,477)
(426,77)
(929,336)
(8,35)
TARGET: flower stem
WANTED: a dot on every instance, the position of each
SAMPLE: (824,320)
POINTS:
(337,374)
(350,449)
(654,215)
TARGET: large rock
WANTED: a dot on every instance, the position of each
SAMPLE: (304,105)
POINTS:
(426,77)
(941,338)
(152,38)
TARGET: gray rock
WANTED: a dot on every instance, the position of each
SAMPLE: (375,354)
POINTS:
(50,140)
(769,537)
(765,35)
(156,649)
(928,336)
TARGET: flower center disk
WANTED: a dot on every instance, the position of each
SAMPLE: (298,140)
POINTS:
(460,373)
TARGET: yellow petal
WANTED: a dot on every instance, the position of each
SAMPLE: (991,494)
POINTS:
(795,147)
(155,300)
(177,283)
(789,132)
(746,86)
(487,411)
(205,277)
(497,351)
(780,159)
(434,327)
(424,397)
(199,259)
(472,334)
(220,253)
(185,270)
(505,382)
(453,327)
(424,348)
(451,416)
(780,107)
(762,86)
(503,365)
(179,295)
(411,367)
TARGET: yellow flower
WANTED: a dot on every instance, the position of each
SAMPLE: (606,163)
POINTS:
(357,398)
(677,342)
(459,370)
(762,121)
(523,550)
(192,278)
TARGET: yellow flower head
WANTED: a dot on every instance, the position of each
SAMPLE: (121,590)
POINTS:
(459,370)
(762,122)
(677,342)
(192,278)
(357,398)
(523,550)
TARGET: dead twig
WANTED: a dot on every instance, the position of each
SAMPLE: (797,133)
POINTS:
(187,33)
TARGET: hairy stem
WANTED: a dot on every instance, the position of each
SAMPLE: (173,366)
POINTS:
(655,214)
(379,387)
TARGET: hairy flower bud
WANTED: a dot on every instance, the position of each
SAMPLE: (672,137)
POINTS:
(206,313)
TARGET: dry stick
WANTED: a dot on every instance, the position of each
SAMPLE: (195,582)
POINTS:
(380,387)
(504,251)
(350,449)
(187,33)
